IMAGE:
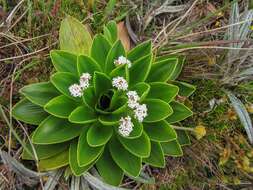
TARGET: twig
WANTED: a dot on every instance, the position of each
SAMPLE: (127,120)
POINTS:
(10,16)
(19,18)
(206,47)
(182,128)
(25,40)
(164,29)
(176,25)
(28,54)
(212,30)
(11,38)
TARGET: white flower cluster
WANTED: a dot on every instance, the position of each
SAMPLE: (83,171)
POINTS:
(85,80)
(120,83)
(76,90)
(133,99)
(140,110)
(122,61)
(126,126)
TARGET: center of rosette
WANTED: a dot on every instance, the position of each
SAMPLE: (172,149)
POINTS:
(104,101)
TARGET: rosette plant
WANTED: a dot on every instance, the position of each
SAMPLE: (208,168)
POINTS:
(105,108)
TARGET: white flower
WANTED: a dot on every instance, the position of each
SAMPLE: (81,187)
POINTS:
(84,80)
(126,126)
(75,90)
(120,83)
(133,99)
(122,61)
(140,112)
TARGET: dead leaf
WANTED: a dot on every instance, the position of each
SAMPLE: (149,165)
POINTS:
(210,7)
(231,115)
(123,35)
(225,155)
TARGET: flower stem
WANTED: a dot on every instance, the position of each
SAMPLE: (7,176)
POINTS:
(182,128)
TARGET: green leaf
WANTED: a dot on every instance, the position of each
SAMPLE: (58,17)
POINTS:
(39,93)
(99,110)
(86,64)
(180,112)
(62,81)
(165,57)
(142,90)
(85,153)
(89,97)
(185,89)
(139,147)
(109,120)
(112,29)
(122,71)
(75,168)
(28,112)
(100,49)
(136,132)
(144,178)
(44,151)
(160,131)
(108,169)
(64,61)
(116,51)
(61,106)
(109,7)
(120,105)
(162,91)
(140,51)
(107,35)
(183,138)
(178,68)
(162,71)
(156,157)
(172,148)
(180,64)
(157,110)
(115,98)
(139,70)
(55,130)
(83,115)
(74,36)
(129,163)
(55,162)
(99,134)
(101,83)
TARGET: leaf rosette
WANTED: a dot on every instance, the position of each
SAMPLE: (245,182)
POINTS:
(109,109)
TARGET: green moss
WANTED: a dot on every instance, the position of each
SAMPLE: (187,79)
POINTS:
(216,118)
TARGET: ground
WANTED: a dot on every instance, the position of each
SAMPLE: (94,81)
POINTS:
(220,160)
